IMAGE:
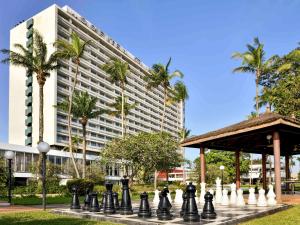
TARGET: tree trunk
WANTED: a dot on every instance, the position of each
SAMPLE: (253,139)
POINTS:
(122,111)
(155,180)
(41,112)
(69,121)
(84,150)
(257,92)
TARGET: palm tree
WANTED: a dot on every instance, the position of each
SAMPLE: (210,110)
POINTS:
(183,134)
(118,71)
(84,108)
(253,61)
(161,76)
(117,109)
(35,61)
(74,51)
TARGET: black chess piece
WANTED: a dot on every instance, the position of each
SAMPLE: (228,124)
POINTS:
(94,207)
(103,200)
(163,212)
(87,200)
(116,200)
(126,207)
(109,207)
(75,199)
(208,209)
(191,211)
(184,204)
(144,210)
(159,204)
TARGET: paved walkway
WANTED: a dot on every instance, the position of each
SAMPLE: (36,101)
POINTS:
(21,208)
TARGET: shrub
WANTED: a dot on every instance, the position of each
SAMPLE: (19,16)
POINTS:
(81,184)
(99,188)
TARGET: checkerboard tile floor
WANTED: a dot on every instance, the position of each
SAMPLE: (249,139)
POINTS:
(225,215)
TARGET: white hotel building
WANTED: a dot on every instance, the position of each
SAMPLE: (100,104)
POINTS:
(58,23)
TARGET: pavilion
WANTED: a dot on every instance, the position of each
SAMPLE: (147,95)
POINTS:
(267,134)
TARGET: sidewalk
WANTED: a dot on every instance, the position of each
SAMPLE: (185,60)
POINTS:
(22,208)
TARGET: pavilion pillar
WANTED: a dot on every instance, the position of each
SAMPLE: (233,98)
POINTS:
(276,149)
(264,170)
(202,165)
(237,169)
(287,169)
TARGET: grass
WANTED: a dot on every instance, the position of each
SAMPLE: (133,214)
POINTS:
(44,218)
(290,216)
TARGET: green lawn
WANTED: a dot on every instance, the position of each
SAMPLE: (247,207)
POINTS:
(287,217)
(44,218)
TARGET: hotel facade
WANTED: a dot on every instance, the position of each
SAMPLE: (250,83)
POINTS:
(58,23)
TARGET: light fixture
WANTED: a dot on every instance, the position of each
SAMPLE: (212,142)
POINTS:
(43,147)
(9,155)
(222,167)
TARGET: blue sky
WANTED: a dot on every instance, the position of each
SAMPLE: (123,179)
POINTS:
(200,36)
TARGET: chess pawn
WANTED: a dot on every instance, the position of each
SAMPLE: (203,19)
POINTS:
(202,193)
(225,199)
(94,203)
(261,198)
(165,206)
(87,200)
(109,207)
(75,199)
(178,197)
(116,200)
(208,209)
(218,191)
(271,196)
(156,197)
(233,194)
(144,210)
(126,207)
(212,192)
(191,211)
(252,199)
(240,198)
(184,204)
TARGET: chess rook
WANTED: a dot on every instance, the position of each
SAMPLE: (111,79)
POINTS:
(75,200)
(144,209)
(94,203)
(126,207)
(109,207)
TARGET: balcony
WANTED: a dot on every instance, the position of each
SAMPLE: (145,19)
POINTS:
(29,43)
(29,81)
(28,131)
(29,33)
(28,141)
(28,111)
(29,24)
(28,121)
(28,91)
(28,101)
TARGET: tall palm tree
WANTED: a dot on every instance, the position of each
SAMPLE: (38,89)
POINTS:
(118,72)
(183,134)
(72,50)
(253,61)
(39,63)
(117,109)
(84,108)
(161,76)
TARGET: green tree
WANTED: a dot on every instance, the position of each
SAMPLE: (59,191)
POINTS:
(144,152)
(253,61)
(160,76)
(84,108)
(118,72)
(117,109)
(72,50)
(214,159)
(37,61)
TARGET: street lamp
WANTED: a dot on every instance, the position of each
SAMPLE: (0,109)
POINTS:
(9,155)
(222,169)
(43,148)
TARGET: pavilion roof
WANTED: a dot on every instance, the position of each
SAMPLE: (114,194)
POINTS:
(264,122)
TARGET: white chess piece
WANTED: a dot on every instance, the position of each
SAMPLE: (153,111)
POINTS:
(212,192)
(202,193)
(156,197)
(271,196)
(218,191)
(240,198)
(252,199)
(170,197)
(225,199)
(261,198)
(233,194)
(178,197)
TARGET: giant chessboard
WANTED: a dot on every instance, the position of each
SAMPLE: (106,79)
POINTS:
(225,215)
